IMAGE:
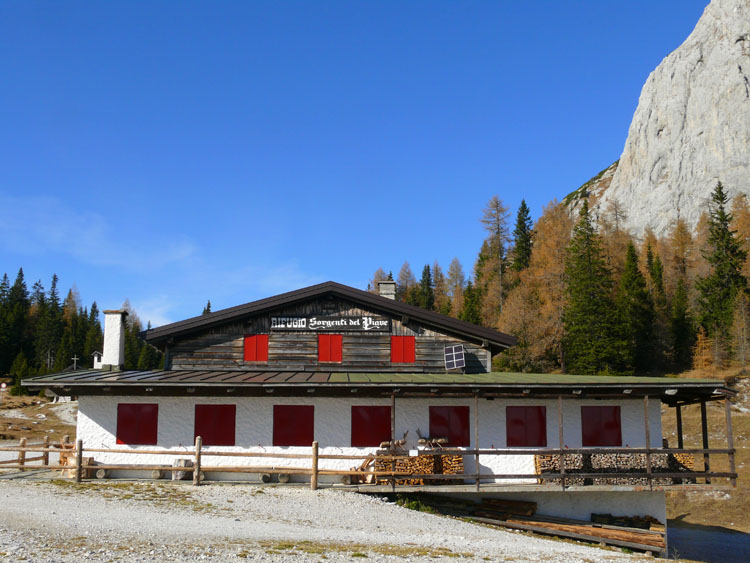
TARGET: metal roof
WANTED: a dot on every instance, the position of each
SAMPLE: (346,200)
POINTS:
(257,382)
(495,338)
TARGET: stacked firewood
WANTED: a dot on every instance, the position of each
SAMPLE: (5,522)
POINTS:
(421,465)
(613,463)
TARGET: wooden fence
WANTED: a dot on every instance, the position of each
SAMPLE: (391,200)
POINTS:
(73,460)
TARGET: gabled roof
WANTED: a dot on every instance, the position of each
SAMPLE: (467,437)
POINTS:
(495,339)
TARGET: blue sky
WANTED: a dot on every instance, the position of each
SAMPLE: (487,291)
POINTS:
(172,152)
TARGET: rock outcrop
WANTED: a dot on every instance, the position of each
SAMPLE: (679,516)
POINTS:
(691,128)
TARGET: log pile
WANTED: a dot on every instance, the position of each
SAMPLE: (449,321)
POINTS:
(430,464)
(613,463)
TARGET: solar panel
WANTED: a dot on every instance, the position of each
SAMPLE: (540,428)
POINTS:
(454,357)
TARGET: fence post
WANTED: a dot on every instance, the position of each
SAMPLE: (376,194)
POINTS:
(79,460)
(22,453)
(314,475)
(197,464)
(45,455)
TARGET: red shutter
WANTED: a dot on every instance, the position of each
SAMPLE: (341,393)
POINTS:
(526,426)
(403,349)
(337,353)
(293,425)
(215,424)
(256,348)
(370,426)
(137,424)
(451,423)
(330,348)
(397,350)
(600,426)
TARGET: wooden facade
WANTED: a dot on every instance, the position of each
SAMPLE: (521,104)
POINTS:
(221,347)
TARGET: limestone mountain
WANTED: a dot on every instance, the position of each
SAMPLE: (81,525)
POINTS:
(691,129)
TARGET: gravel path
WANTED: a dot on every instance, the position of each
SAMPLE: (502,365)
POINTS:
(61,521)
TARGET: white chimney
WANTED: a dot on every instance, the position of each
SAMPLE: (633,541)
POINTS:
(387,288)
(114,339)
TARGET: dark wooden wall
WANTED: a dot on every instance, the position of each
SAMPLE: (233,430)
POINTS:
(222,347)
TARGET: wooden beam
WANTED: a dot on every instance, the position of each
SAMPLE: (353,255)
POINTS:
(560,437)
(476,436)
(648,442)
(197,472)
(704,431)
(730,439)
(79,461)
(678,412)
(314,474)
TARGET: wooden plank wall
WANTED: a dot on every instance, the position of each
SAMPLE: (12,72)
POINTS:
(222,347)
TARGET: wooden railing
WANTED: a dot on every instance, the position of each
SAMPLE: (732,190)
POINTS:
(73,460)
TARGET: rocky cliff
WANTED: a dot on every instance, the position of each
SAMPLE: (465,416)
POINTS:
(690,130)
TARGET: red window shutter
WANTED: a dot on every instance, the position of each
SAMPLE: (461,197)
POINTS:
(371,425)
(256,348)
(337,342)
(215,424)
(137,424)
(451,423)
(526,426)
(403,349)
(324,348)
(600,426)
(397,350)
(293,425)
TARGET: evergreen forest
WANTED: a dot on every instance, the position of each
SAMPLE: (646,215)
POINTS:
(585,296)
(41,333)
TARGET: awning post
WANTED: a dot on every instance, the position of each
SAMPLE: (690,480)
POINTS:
(678,412)
(730,439)
(704,430)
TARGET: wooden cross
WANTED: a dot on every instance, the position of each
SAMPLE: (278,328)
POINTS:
(75,362)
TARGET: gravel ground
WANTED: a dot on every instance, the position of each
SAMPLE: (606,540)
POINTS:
(146,521)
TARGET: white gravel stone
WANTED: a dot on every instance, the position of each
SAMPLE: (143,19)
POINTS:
(150,522)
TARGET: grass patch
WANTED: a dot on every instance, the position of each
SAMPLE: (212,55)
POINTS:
(356,550)
(413,502)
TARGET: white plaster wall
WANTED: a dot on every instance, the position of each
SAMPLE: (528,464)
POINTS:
(97,422)
(113,352)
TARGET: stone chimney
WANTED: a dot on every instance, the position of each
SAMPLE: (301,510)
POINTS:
(114,339)
(387,288)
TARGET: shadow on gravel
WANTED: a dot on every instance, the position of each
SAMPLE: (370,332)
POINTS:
(713,544)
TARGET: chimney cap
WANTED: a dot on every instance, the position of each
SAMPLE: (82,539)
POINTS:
(115,312)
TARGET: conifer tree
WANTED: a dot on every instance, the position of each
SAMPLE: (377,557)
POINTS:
(590,343)
(405,283)
(207,308)
(456,283)
(495,221)
(636,315)
(442,298)
(522,238)
(425,292)
(718,290)
(682,329)
(471,306)
(378,276)
(18,371)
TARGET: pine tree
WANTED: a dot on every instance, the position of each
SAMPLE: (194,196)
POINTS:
(207,308)
(636,315)
(425,292)
(16,317)
(63,358)
(682,328)
(456,283)
(718,290)
(472,303)
(94,337)
(495,221)
(442,297)
(590,342)
(522,238)
(660,331)
(19,370)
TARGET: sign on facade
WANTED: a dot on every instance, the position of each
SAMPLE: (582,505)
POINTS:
(365,323)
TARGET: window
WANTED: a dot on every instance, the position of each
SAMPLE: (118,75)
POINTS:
(137,424)
(600,426)
(215,424)
(293,425)
(370,426)
(329,348)
(451,423)
(256,348)
(525,426)
(402,350)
